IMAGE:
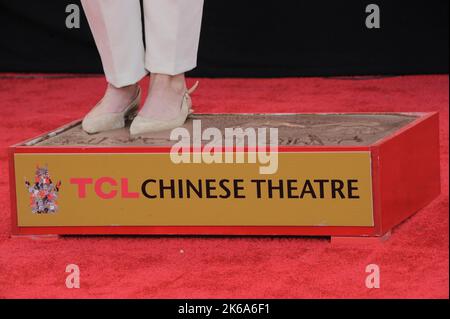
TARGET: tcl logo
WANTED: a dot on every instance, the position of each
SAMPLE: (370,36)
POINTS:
(104,187)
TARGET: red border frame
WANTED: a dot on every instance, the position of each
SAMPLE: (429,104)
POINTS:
(376,230)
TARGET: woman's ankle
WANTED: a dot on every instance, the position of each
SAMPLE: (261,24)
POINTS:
(175,82)
(124,90)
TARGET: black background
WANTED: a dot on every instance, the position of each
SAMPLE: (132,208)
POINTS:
(251,38)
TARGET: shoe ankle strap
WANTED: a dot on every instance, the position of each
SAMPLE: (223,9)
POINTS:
(193,88)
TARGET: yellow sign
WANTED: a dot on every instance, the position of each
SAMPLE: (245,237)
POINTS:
(309,189)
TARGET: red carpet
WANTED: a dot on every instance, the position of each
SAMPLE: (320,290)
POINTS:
(413,263)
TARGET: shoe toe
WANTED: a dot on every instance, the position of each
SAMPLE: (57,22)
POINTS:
(103,122)
(142,125)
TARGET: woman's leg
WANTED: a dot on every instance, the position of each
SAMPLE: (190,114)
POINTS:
(117,29)
(172,32)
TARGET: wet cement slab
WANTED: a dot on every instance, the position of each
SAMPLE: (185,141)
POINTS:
(293,129)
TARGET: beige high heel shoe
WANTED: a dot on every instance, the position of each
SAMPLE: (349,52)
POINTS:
(141,125)
(110,121)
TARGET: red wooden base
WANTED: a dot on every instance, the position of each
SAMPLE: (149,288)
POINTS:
(405,178)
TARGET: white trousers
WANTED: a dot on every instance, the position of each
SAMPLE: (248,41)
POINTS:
(172,32)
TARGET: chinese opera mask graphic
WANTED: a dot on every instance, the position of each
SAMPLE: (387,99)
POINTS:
(43,192)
